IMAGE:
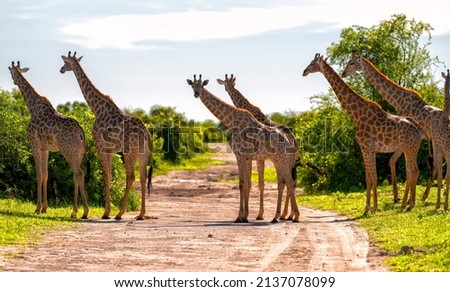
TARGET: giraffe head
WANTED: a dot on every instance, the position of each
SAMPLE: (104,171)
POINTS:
(16,71)
(315,65)
(197,85)
(228,82)
(353,65)
(69,61)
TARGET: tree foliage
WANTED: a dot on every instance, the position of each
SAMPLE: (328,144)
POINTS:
(398,47)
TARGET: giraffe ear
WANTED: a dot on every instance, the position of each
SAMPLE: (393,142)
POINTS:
(220,81)
(23,70)
(443,74)
(79,59)
(189,81)
(205,82)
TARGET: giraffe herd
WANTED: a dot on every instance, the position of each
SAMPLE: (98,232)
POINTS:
(254,137)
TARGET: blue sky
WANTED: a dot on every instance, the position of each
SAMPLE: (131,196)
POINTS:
(141,52)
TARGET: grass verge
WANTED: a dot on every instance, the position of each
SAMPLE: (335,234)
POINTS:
(417,240)
(20,225)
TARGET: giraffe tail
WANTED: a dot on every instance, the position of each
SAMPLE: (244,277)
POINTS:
(88,169)
(294,171)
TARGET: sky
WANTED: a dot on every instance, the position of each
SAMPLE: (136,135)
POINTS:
(140,52)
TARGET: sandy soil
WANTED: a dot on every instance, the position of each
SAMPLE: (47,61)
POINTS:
(194,231)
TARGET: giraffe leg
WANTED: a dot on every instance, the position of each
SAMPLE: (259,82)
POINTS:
(286,208)
(284,179)
(78,178)
(430,180)
(281,187)
(44,162)
(290,196)
(412,178)
(447,184)
(129,160)
(295,211)
(245,167)
(260,165)
(106,161)
(82,188)
(405,195)
(75,160)
(371,181)
(143,161)
(75,193)
(39,177)
(392,163)
(438,164)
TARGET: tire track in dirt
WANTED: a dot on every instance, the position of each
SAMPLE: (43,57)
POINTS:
(195,232)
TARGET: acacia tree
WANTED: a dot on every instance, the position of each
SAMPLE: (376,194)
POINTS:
(398,47)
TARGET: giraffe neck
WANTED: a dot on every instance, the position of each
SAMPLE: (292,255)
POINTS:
(36,103)
(447,96)
(240,101)
(220,109)
(97,101)
(354,104)
(404,100)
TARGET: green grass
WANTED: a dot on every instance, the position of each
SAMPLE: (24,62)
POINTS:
(199,161)
(270,176)
(20,225)
(427,231)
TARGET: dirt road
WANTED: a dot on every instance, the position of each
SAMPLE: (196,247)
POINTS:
(194,231)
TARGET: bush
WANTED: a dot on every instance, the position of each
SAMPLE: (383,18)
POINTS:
(17,174)
(331,158)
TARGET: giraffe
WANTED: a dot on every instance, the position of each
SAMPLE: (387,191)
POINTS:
(408,103)
(50,131)
(114,132)
(252,140)
(444,141)
(378,132)
(240,101)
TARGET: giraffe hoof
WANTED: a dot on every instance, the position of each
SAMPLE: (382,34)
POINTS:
(105,217)
(260,217)
(396,200)
(118,218)
(241,220)
(274,220)
(84,217)
(140,218)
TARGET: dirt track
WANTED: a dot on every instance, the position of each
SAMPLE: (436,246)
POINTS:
(195,232)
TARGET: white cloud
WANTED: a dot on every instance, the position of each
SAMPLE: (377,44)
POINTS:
(125,31)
